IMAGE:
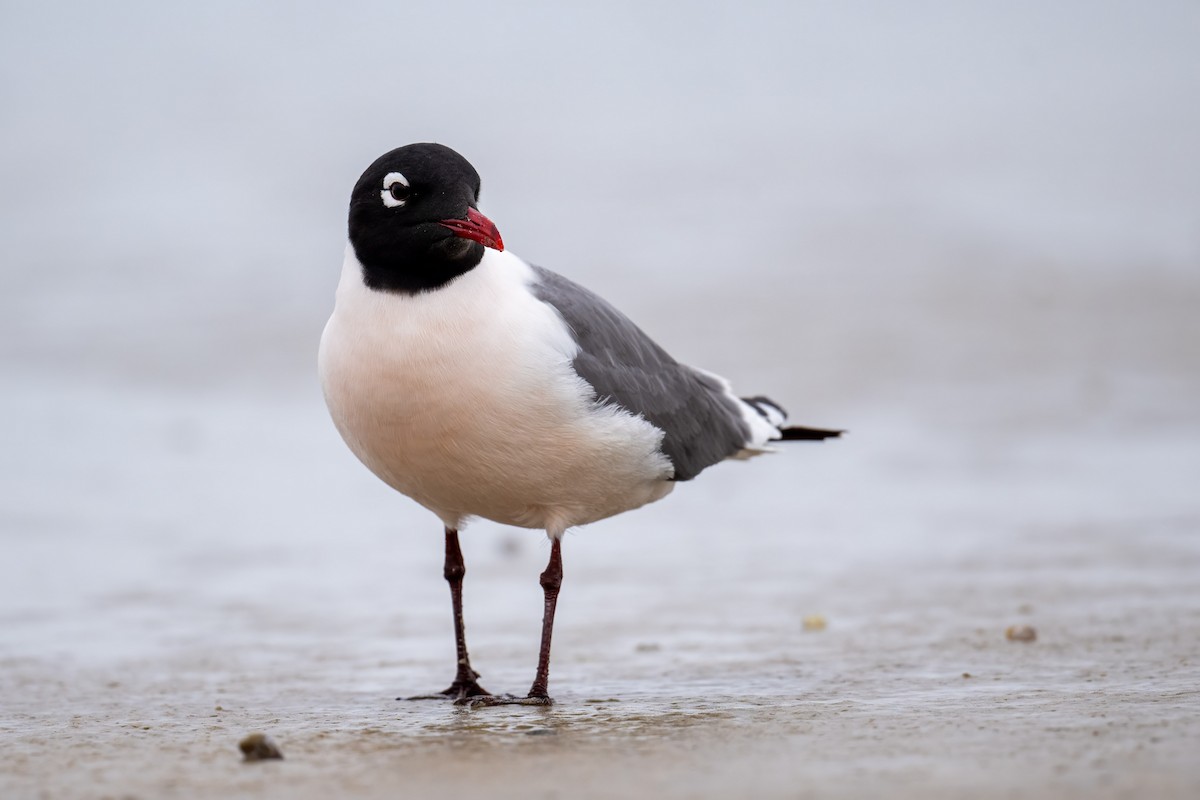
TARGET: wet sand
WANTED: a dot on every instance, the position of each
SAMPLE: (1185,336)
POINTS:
(257,580)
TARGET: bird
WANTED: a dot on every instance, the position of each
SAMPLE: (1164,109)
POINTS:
(483,386)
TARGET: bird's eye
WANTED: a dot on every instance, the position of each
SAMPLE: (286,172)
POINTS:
(396,190)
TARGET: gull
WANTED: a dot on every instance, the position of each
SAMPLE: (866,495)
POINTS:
(480,385)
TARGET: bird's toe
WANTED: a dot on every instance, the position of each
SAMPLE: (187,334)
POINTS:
(457,691)
(485,701)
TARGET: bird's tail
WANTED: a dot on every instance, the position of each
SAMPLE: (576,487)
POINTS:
(797,433)
(774,414)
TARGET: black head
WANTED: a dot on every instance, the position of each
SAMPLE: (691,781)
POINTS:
(413,219)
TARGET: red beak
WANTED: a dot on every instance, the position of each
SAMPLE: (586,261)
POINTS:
(477,228)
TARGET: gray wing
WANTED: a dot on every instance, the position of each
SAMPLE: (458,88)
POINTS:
(701,423)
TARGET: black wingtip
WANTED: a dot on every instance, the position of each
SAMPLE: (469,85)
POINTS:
(798,433)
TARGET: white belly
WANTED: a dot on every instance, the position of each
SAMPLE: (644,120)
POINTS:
(463,398)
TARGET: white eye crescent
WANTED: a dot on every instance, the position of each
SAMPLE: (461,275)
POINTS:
(395,191)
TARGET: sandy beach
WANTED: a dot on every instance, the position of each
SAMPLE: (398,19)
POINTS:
(969,238)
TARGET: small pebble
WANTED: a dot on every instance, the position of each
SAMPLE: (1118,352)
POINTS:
(259,747)
(814,622)
(966,674)
(1020,633)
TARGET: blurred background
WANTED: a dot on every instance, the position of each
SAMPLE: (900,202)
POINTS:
(837,180)
(969,233)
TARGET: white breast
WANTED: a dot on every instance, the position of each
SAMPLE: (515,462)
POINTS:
(463,398)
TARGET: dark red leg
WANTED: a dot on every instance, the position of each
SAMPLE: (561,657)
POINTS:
(551,580)
(465,679)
